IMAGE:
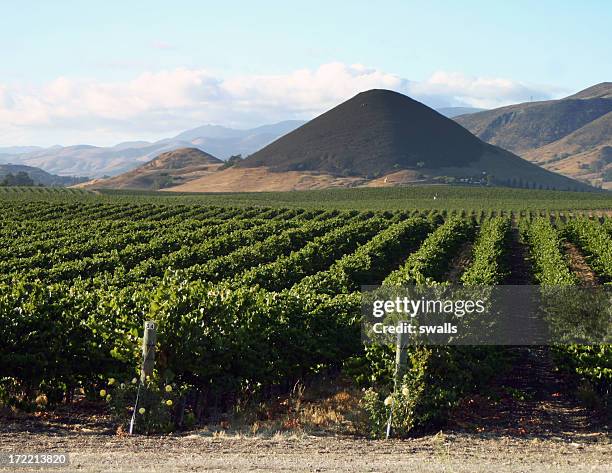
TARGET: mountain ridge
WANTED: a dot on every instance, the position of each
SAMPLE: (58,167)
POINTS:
(99,161)
(547,132)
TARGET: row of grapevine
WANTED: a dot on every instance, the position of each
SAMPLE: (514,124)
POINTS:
(370,263)
(595,241)
(82,252)
(316,256)
(437,377)
(87,324)
(244,297)
(431,261)
(76,261)
(261,252)
(489,263)
(551,266)
(591,362)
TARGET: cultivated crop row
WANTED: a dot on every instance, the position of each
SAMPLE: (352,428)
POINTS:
(248,300)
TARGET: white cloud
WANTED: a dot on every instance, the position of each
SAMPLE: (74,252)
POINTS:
(483,92)
(155,104)
(309,90)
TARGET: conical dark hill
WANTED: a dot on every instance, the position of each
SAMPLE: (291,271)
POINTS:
(373,133)
(378,132)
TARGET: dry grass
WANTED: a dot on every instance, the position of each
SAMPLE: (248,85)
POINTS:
(262,180)
(320,409)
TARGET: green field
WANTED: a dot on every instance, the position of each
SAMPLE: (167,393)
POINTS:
(253,293)
(398,198)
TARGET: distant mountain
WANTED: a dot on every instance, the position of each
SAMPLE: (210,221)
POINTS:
(166,170)
(569,135)
(92,160)
(584,154)
(39,176)
(219,132)
(451,112)
(370,140)
(110,161)
(225,142)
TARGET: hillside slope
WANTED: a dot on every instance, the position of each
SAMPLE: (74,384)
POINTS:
(39,176)
(371,136)
(603,90)
(166,170)
(99,161)
(452,112)
(566,135)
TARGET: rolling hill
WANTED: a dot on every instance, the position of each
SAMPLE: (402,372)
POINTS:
(452,112)
(39,176)
(99,161)
(378,137)
(571,135)
(166,170)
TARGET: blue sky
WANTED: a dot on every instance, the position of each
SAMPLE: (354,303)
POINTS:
(67,66)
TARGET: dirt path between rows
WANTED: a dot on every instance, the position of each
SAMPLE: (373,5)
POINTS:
(519,265)
(460,262)
(532,397)
(579,265)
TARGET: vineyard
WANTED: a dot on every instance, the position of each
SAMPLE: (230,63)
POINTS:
(251,300)
(421,197)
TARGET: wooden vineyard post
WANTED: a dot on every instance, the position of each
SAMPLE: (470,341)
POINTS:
(401,355)
(149,339)
(148,349)
(401,359)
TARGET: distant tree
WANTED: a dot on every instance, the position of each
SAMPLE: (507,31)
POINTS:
(232,161)
(24,179)
(162,182)
(20,179)
(597,165)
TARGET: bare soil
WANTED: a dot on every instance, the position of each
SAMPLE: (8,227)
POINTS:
(579,265)
(532,399)
(528,422)
(207,451)
(460,262)
(519,264)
